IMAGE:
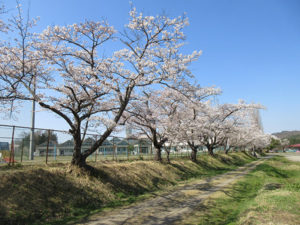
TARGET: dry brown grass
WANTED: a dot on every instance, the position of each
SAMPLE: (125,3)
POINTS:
(270,218)
(35,194)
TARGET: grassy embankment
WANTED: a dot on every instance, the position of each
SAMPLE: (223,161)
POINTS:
(270,194)
(50,195)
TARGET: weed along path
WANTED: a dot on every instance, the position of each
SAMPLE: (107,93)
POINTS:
(171,207)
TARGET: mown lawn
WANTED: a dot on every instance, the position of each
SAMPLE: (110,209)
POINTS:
(270,194)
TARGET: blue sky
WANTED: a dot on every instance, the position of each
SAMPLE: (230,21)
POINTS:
(251,48)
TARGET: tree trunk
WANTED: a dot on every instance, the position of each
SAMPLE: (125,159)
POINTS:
(226,151)
(168,156)
(157,144)
(225,147)
(253,152)
(194,151)
(158,154)
(194,155)
(243,149)
(78,160)
(210,150)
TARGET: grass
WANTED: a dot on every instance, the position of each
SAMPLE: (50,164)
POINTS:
(92,158)
(270,194)
(48,194)
(41,160)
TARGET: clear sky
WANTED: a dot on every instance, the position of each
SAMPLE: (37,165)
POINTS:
(251,48)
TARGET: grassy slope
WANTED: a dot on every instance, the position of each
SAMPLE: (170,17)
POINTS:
(48,194)
(268,195)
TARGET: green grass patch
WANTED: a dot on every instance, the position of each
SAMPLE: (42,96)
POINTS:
(270,194)
(47,194)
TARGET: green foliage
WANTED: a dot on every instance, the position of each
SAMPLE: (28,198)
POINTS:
(130,148)
(294,139)
(40,137)
(275,143)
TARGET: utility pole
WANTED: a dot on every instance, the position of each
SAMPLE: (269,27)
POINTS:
(31,144)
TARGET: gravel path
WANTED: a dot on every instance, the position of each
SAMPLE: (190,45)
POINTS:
(171,208)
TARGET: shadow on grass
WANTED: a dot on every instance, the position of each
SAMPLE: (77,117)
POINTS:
(272,171)
(218,164)
(39,195)
(249,189)
(213,213)
(36,196)
(117,184)
(204,169)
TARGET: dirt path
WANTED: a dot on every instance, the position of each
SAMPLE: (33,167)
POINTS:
(171,208)
(292,156)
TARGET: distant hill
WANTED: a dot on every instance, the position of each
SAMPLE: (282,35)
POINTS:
(292,136)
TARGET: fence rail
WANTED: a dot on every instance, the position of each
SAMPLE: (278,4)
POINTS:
(52,145)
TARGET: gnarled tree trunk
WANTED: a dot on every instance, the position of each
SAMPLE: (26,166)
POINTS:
(194,155)
(227,150)
(168,156)
(158,154)
(210,150)
(194,151)
(78,160)
(253,152)
(158,143)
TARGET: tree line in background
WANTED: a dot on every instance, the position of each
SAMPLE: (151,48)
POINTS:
(40,137)
(146,85)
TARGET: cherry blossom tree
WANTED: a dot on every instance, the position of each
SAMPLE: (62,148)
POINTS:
(3,24)
(6,88)
(232,138)
(153,114)
(75,81)
(248,133)
(161,114)
(64,69)
(284,143)
(205,124)
(20,63)
(188,120)
(242,129)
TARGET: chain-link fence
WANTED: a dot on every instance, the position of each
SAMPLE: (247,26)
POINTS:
(57,146)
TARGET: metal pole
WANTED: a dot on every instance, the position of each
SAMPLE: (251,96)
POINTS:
(47,150)
(127,152)
(31,146)
(54,151)
(151,152)
(22,151)
(115,153)
(12,148)
(96,151)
